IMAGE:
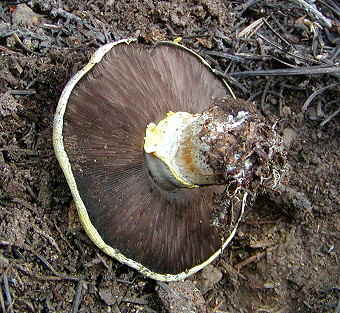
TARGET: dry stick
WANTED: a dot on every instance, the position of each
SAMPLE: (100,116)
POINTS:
(329,117)
(39,277)
(250,30)
(337,309)
(276,33)
(17,149)
(66,15)
(20,43)
(2,301)
(77,297)
(310,70)
(25,204)
(232,270)
(62,236)
(231,57)
(311,9)
(50,267)
(60,276)
(51,26)
(245,6)
(6,50)
(48,237)
(253,258)
(135,301)
(332,6)
(316,93)
(7,293)
(285,50)
(335,55)
(27,92)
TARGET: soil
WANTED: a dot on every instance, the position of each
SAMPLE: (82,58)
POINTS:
(284,258)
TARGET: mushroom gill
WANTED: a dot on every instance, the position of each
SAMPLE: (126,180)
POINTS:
(129,201)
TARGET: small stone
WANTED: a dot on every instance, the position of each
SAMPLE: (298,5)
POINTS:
(106,296)
(210,276)
(3,262)
(181,297)
(8,104)
(5,28)
(23,15)
(289,135)
(286,111)
(10,42)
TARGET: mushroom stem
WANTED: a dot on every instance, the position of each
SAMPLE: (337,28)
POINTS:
(214,147)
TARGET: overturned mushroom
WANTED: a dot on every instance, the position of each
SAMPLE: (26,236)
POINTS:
(148,139)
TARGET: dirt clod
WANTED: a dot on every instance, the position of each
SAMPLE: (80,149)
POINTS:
(25,16)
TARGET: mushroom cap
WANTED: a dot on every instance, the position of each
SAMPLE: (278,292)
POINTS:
(99,131)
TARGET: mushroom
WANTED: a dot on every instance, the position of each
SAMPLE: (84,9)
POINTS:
(148,140)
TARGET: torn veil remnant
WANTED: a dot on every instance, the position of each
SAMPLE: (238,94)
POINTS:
(148,139)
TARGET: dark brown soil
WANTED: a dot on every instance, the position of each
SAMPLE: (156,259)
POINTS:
(285,257)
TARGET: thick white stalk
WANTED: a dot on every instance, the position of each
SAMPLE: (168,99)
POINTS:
(183,142)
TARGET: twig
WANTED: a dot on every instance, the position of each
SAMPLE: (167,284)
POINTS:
(276,33)
(39,277)
(84,45)
(231,270)
(245,6)
(262,222)
(311,70)
(224,55)
(327,119)
(135,301)
(251,29)
(2,301)
(52,26)
(311,9)
(27,92)
(316,93)
(332,6)
(59,276)
(17,149)
(253,258)
(50,267)
(62,236)
(294,55)
(337,309)
(77,297)
(25,204)
(20,43)
(6,50)
(48,237)
(7,293)
(66,15)
(335,54)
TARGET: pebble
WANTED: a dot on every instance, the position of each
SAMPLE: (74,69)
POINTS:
(209,277)
(8,104)
(181,297)
(23,15)
(289,135)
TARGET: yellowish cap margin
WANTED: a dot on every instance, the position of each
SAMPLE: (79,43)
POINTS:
(64,162)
